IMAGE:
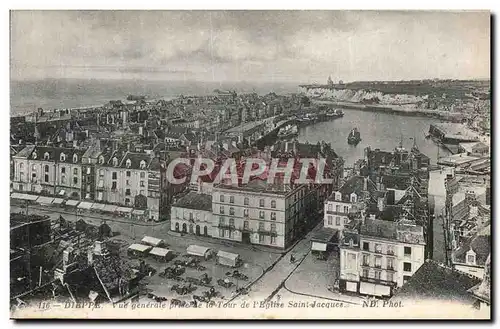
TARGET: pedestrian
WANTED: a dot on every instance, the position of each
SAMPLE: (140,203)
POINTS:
(292,259)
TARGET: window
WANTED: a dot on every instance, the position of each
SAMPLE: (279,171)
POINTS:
(273,227)
(378,247)
(366,272)
(231,222)
(273,216)
(101,172)
(75,171)
(63,170)
(353,198)
(330,220)
(261,238)
(378,274)
(390,263)
(390,277)
(261,214)
(337,208)
(127,191)
(221,198)
(221,210)
(46,178)
(99,196)
(127,182)
(346,209)
(407,251)
(113,185)
(142,183)
(261,202)
(46,168)
(261,226)
(115,161)
(273,204)
(75,180)
(88,170)
(245,225)
(46,156)
(407,267)
(366,259)
(128,173)
(143,164)
(75,158)
(191,216)
(337,221)
(231,199)
(21,166)
(471,259)
(245,212)
(20,187)
(273,239)
(231,211)
(246,201)
(330,207)
(62,157)
(378,262)
(114,175)
(33,168)
(366,246)
(128,163)
(143,174)
(338,196)
(406,278)
(63,180)
(221,233)
(222,221)
(390,249)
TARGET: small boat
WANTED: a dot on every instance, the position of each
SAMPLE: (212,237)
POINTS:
(354,137)
(288,131)
(335,114)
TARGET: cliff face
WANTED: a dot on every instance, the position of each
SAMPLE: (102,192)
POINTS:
(366,97)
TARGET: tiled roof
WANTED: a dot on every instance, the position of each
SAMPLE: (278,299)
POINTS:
(55,154)
(480,244)
(196,201)
(434,281)
(379,228)
(135,160)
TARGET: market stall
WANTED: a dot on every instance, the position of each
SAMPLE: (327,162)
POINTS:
(138,250)
(199,251)
(155,242)
(228,259)
(161,254)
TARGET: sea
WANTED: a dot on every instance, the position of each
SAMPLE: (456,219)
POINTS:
(378,130)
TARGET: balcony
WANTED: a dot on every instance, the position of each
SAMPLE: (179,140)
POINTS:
(226,226)
(377,281)
(266,232)
(390,268)
(391,252)
(246,229)
(338,213)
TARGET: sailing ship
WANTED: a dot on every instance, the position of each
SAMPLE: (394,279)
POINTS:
(354,137)
(288,131)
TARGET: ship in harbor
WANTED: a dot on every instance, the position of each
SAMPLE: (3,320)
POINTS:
(354,137)
(288,131)
(334,114)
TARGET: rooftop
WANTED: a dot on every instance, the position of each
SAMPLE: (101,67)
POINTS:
(434,281)
(196,201)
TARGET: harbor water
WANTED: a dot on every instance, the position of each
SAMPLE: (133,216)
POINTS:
(378,130)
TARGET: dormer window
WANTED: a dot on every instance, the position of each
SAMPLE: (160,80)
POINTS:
(75,158)
(143,164)
(338,196)
(470,257)
(62,157)
(115,161)
(353,198)
(101,160)
(128,163)
(34,155)
(46,156)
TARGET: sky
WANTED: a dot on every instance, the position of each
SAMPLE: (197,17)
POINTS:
(273,46)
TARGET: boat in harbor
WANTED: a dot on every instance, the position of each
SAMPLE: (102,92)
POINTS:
(354,137)
(288,131)
(335,114)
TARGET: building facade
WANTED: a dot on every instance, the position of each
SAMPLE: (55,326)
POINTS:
(192,214)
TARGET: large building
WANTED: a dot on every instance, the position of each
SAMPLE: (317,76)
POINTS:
(192,214)
(377,256)
(262,213)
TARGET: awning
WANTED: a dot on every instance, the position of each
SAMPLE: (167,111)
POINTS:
(139,247)
(98,206)
(196,250)
(149,240)
(45,200)
(72,202)
(228,255)
(124,209)
(138,212)
(16,196)
(57,201)
(160,252)
(62,192)
(317,246)
(109,208)
(30,197)
(85,205)
(374,289)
